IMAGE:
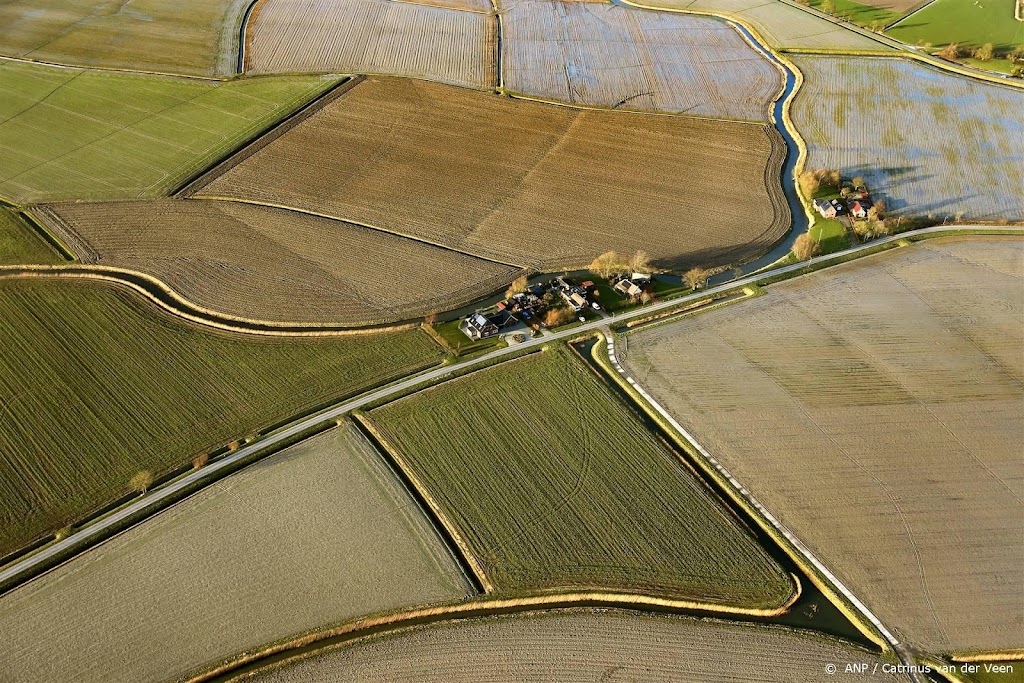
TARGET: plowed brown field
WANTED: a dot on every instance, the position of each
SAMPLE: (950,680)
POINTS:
(272,264)
(525,183)
(423,40)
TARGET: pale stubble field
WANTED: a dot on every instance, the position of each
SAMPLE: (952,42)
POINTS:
(878,410)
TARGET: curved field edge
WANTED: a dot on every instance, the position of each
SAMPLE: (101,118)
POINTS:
(160,294)
(322,531)
(984,412)
(550,403)
(247,664)
(312,269)
(903,51)
(519,215)
(129,352)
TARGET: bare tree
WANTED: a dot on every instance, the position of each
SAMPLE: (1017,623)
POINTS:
(828,7)
(696,277)
(430,318)
(858,182)
(606,264)
(646,297)
(640,262)
(984,53)
(518,286)
(141,481)
(877,211)
(950,52)
(809,183)
(805,246)
(200,460)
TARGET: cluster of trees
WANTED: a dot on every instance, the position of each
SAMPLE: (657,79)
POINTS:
(518,286)
(985,53)
(696,277)
(876,224)
(806,246)
(814,179)
(612,263)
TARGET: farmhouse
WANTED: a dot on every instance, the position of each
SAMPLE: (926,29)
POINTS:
(632,285)
(858,210)
(481,326)
(574,294)
(828,208)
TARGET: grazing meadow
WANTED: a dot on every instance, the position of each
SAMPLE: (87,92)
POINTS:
(97,383)
(319,533)
(946,147)
(966,22)
(306,268)
(80,134)
(523,183)
(877,409)
(554,484)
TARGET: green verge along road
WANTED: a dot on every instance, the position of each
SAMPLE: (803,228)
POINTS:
(158,498)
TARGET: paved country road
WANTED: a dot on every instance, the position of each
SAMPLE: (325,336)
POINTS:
(157,498)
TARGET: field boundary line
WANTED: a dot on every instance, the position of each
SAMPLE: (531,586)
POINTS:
(276,129)
(481,607)
(114,69)
(435,5)
(181,307)
(243,36)
(739,493)
(908,15)
(935,63)
(787,103)
(898,48)
(515,95)
(1016,655)
(22,570)
(448,530)
(360,224)
(54,240)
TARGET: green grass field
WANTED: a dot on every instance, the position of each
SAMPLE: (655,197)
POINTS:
(197,37)
(80,134)
(967,22)
(858,13)
(19,243)
(830,234)
(96,384)
(555,484)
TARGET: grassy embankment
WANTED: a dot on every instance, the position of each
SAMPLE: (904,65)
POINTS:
(19,243)
(79,134)
(555,485)
(98,385)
